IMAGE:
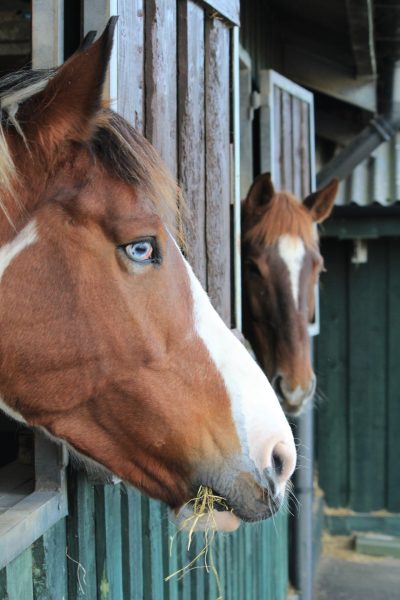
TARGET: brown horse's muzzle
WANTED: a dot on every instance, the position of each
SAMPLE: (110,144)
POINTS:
(294,399)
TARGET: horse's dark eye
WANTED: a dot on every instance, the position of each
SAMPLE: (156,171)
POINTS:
(253,268)
(141,251)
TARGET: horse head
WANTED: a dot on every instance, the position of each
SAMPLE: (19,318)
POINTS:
(108,341)
(281,266)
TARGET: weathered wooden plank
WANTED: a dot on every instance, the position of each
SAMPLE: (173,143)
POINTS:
(161,79)
(277,153)
(108,542)
(82,580)
(146,554)
(25,522)
(217,51)
(130,33)
(393,404)
(154,548)
(305,154)
(170,555)
(49,568)
(287,150)
(332,440)
(192,130)
(297,143)
(19,577)
(132,544)
(47,33)
(246,132)
(185,587)
(367,389)
(230,9)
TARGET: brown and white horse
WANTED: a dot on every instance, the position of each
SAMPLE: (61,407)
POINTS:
(281,266)
(107,340)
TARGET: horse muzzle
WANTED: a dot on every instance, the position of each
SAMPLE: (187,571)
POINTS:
(293,399)
(238,493)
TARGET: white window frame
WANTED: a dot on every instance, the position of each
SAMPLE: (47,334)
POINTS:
(268,80)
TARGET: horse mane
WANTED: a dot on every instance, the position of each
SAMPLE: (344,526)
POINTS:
(284,214)
(123,151)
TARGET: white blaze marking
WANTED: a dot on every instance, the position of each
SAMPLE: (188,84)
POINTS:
(292,251)
(258,416)
(26,237)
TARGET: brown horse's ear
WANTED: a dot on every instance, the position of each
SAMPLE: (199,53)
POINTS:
(67,106)
(260,193)
(320,203)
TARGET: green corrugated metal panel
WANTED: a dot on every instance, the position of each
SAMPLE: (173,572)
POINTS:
(376,179)
(358,414)
(115,545)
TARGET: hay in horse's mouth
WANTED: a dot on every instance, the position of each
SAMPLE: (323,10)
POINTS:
(198,514)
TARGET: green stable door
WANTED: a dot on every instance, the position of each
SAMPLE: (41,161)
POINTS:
(358,368)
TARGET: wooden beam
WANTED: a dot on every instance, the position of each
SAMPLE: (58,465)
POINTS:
(324,75)
(361,26)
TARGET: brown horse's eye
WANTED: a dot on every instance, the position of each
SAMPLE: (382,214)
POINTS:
(253,268)
(141,251)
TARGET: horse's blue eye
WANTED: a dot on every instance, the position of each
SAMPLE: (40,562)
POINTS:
(141,251)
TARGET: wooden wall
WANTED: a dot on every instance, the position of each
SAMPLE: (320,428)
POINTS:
(358,442)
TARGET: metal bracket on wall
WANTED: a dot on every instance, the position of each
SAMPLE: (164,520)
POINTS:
(360,252)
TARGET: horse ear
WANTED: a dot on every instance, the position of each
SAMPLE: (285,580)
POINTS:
(260,192)
(320,203)
(67,106)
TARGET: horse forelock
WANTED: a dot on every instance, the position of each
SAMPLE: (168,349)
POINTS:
(124,152)
(283,215)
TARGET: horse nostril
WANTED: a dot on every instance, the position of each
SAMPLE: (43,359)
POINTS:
(283,461)
(277,385)
(277,463)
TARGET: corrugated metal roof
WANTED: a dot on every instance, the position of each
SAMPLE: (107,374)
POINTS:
(377,179)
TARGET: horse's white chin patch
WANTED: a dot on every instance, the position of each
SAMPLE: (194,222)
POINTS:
(225,521)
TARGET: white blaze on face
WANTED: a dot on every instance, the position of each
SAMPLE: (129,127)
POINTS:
(257,414)
(26,237)
(291,250)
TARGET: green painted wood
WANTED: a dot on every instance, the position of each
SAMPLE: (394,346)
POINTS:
(367,379)
(146,558)
(81,550)
(347,524)
(132,544)
(199,574)
(393,378)
(3,585)
(332,372)
(362,227)
(377,544)
(184,558)
(170,557)
(19,577)
(157,549)
(108,542)
(49,568)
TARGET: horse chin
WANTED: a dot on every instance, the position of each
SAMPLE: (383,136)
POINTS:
(225,521)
